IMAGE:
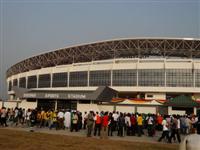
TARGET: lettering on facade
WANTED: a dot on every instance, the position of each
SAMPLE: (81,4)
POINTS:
(30,95)
(51,95)
(76,96)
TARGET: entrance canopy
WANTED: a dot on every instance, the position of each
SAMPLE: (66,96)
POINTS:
(102,93)
(182,101)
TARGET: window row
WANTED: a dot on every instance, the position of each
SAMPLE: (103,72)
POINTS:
(126,77)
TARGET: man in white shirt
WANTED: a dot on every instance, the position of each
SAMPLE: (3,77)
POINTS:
(165,130)
(60,120)
(67,119)
(115,118)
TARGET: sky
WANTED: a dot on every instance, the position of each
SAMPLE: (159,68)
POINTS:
(31,27)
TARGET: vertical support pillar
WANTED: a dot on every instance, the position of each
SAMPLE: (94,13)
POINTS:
(26,86)
(111,78)
(51,79)
(88,78)
(56,104)
(195,111)
(165,73)
(137,72)
(37,80)
(68,78)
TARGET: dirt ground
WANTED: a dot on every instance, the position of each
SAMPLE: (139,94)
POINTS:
(23,140)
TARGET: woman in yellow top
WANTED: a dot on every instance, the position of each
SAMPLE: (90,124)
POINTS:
(139,123)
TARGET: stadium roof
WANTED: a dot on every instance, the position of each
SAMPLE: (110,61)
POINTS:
(110,49)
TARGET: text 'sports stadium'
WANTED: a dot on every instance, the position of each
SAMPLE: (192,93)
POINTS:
(144,75)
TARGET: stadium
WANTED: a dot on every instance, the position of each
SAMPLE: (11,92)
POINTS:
(144,75)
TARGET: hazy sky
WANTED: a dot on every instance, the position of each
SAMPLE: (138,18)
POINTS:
(30,27)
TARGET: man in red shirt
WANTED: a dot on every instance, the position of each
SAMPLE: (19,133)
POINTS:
(133,124)
(159,122)
(97,126)
(104,128)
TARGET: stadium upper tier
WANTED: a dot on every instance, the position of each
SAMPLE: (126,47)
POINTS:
(121,48)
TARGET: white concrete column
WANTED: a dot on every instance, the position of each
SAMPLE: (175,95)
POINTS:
(51,79)
(195,110)
(165,73)
(88,78)
(56,104)
(68,78)
(111,78)
(137,82)
(37,81)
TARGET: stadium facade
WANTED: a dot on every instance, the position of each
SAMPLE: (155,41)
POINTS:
(145,75)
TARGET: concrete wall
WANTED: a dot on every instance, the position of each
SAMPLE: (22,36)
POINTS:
(87,107)
(146,110)
(10,104)
(106,107)
(126,109)
(19,104)
(27,105)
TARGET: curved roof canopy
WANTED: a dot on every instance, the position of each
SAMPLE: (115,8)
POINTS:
(121,48)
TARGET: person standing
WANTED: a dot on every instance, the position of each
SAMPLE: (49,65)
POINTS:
(60,119)
(165,132)
(174,129)
(74,122)
(121,125)
(97,127)
(85,120)
(90,122)
(67,119)
(133,124)
(140,124)
(3,117)
(104,128)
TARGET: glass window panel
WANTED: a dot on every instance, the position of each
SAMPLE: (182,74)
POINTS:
(78,78)
(32,82)
(15,82)
(151,77)
(9,86)
(60,79)
(100,78)
(44,80)
(179,77)
(197,78)
(124,78)
(22,82)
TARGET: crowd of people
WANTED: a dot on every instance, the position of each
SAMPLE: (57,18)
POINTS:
(103,124)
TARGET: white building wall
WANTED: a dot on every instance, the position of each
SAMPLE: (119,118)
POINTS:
(196,65)
(146,110)
(179,64)
(87,107)
(104,108)
(150,65)
(26,105)
(126,109)
(10,104)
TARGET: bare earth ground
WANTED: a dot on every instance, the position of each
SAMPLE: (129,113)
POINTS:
(22,140)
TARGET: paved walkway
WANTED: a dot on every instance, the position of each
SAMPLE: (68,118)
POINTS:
(82,133)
